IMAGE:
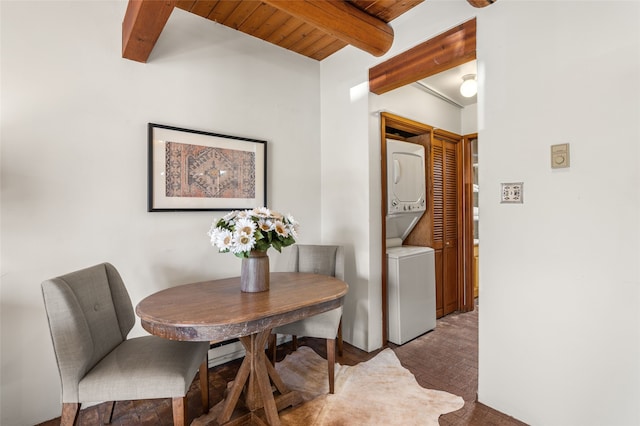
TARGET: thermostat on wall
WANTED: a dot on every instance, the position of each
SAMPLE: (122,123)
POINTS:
(560,156)
(512,192)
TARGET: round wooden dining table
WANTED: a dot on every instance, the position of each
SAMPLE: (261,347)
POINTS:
(217,311)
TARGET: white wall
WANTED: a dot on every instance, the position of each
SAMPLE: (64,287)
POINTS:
(74,152)
(469,119)
(416,104)
(345,189)
(559,275)
(559,321)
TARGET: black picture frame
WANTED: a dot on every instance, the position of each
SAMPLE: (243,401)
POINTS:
(194,170)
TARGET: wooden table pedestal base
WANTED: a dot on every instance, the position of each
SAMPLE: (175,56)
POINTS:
(254,380)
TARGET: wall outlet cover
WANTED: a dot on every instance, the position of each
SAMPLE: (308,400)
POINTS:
(512,192)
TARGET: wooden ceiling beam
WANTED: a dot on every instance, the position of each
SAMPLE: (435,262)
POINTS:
(445,51)
(342,21)
(143,22)
(481,3)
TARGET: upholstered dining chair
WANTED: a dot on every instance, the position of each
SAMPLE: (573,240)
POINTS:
(90,314)
(324,260)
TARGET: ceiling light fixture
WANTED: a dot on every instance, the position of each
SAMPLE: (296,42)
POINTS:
(469,86)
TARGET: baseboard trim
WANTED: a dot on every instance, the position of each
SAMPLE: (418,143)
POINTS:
(223,352)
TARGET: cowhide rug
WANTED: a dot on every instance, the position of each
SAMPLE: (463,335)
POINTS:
(376,392)
(373,393)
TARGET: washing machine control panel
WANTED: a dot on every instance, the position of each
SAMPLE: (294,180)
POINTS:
(398,206)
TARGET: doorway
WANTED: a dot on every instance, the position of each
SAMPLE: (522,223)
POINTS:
(418,63)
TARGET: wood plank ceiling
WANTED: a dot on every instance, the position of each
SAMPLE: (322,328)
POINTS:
(281,28)
(313,28)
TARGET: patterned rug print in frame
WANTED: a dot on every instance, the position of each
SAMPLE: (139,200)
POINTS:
(198,170)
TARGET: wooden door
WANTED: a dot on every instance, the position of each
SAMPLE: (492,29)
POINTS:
(469,235)
(437,217)
(451,217)
(446,217)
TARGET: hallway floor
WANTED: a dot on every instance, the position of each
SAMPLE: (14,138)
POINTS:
(447,359)
(444,359)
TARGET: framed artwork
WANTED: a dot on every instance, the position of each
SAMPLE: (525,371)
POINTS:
(196,170)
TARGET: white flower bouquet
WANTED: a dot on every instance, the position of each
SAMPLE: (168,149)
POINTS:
(242,231)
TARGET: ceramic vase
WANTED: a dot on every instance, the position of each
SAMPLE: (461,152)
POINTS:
(254,275)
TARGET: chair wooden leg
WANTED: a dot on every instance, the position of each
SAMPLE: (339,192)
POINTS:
(70,413)
(106,412)
(272,348)
(294,342)
(204,385)
(340,338)
(331,360)
(179,411)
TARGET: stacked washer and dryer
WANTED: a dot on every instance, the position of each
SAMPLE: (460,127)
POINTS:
(411,289)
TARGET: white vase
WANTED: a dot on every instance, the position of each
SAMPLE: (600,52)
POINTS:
(254,275)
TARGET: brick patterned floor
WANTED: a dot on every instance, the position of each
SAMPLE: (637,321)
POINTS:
(447,359)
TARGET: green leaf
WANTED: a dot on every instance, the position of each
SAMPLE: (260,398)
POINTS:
(262,245)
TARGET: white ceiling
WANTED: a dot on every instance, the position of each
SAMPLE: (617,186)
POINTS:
(448,83)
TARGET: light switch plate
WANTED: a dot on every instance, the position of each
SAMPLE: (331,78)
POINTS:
(512,192)
(560,156)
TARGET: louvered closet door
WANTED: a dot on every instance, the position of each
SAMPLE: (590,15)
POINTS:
(450,252)
(444,165)
(437,209)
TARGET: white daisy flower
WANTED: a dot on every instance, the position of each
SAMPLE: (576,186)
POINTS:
(291,219)
(281,229)
(265,225)
(223,239)
(245,225)
(262,212)
(292,225)
(212,231)
(242,214)
(293,230)
(243,242)
(229,216)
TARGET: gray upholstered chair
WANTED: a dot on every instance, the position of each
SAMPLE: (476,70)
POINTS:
(325,260)
(90,314)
